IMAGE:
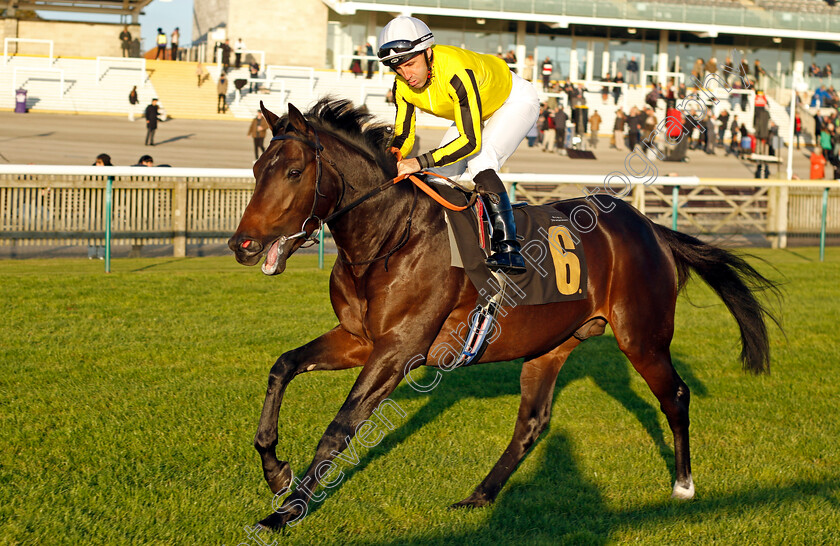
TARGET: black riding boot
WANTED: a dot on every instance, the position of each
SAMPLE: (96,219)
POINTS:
(506,256)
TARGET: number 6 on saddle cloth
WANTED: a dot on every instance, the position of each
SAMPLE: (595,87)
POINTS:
(555,264)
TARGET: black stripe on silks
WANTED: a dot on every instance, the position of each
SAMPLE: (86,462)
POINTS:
(427,160)
(466,117)
(471,74)
(399,140)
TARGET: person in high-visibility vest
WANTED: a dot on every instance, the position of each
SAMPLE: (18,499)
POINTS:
(161,44)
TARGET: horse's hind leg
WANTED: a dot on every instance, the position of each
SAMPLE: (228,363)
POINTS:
(335,350)
(651,357)
(537,382)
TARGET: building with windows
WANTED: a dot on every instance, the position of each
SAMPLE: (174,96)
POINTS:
(584,40)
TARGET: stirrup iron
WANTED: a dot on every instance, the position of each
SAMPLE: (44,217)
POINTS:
(482,322)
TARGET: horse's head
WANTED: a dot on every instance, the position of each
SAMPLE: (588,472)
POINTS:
(293,193)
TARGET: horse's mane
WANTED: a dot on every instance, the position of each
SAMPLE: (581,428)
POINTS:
(355,126)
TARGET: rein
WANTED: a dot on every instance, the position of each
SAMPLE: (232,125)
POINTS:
(418,183)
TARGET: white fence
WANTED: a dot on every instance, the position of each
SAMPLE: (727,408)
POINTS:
(58,71)
(71,204)
(8,41)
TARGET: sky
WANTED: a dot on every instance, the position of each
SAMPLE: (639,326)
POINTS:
(166,14)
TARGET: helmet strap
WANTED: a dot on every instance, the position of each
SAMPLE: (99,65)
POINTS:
(429,61)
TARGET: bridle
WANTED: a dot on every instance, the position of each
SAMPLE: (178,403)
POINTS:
(317,147)
(312,238)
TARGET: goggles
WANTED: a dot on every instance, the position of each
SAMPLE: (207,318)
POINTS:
(398,47)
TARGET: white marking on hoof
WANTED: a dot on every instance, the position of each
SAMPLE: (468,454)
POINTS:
(684,493)
(310,367)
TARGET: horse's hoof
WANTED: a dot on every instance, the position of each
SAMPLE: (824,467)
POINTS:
(281,479)
(276,521)
(683,491)
(473,501)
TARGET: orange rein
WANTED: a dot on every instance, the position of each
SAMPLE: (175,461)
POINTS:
(429,191)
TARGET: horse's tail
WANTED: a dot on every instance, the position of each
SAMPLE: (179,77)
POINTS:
(735,282)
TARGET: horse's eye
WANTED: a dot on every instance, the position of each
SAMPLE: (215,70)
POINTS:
(294,173)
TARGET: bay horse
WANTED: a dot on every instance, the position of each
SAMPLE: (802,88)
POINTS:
(390,311)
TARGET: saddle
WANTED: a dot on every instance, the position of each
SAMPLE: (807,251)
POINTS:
(555,260)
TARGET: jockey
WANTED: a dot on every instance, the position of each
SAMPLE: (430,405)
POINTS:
(492,109)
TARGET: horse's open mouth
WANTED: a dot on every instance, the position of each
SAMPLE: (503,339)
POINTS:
(275,257)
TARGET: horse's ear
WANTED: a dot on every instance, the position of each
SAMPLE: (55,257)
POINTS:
(297,120)
(270,118)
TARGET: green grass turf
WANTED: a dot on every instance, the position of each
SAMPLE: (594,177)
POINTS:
(129,401)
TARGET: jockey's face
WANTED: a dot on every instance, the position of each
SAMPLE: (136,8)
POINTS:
(415,71)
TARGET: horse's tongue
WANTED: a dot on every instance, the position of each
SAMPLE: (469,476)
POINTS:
(272,258)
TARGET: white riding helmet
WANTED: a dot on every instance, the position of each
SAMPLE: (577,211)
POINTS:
(402,39)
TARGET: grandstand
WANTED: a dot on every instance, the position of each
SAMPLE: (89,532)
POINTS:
(586,41)
(101,86)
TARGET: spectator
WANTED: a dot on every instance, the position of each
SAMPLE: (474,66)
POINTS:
(529,68)
(605,90)
(532,135)
(711,66)
(161,45)
(773,138)
(173,44)
(723,118)
(709,133)
(797,129)
(356,63)
(132,102)
(826,72)
(648,134)
(226,49)
(633,72)
(546,69)
(814,71)
(594,126)
(152,119)
(145,161)
(616,90)
(825,141)
(125,42)
(257,132)
(560,121)
(254,71)
(652,98)
(634,126)
(103,160)
(817,166)
(239,49)
(201,73)
(697,71)
(759,73)
(735,136)
(510,59)
(546,121)
(618,130)
(221,90)
(371,62)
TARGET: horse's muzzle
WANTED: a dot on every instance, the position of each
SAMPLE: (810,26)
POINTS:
(247,250)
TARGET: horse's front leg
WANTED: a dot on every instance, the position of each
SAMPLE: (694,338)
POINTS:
(337,349)
(380,376)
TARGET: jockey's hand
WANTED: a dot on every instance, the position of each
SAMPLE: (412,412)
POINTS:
(407,166)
